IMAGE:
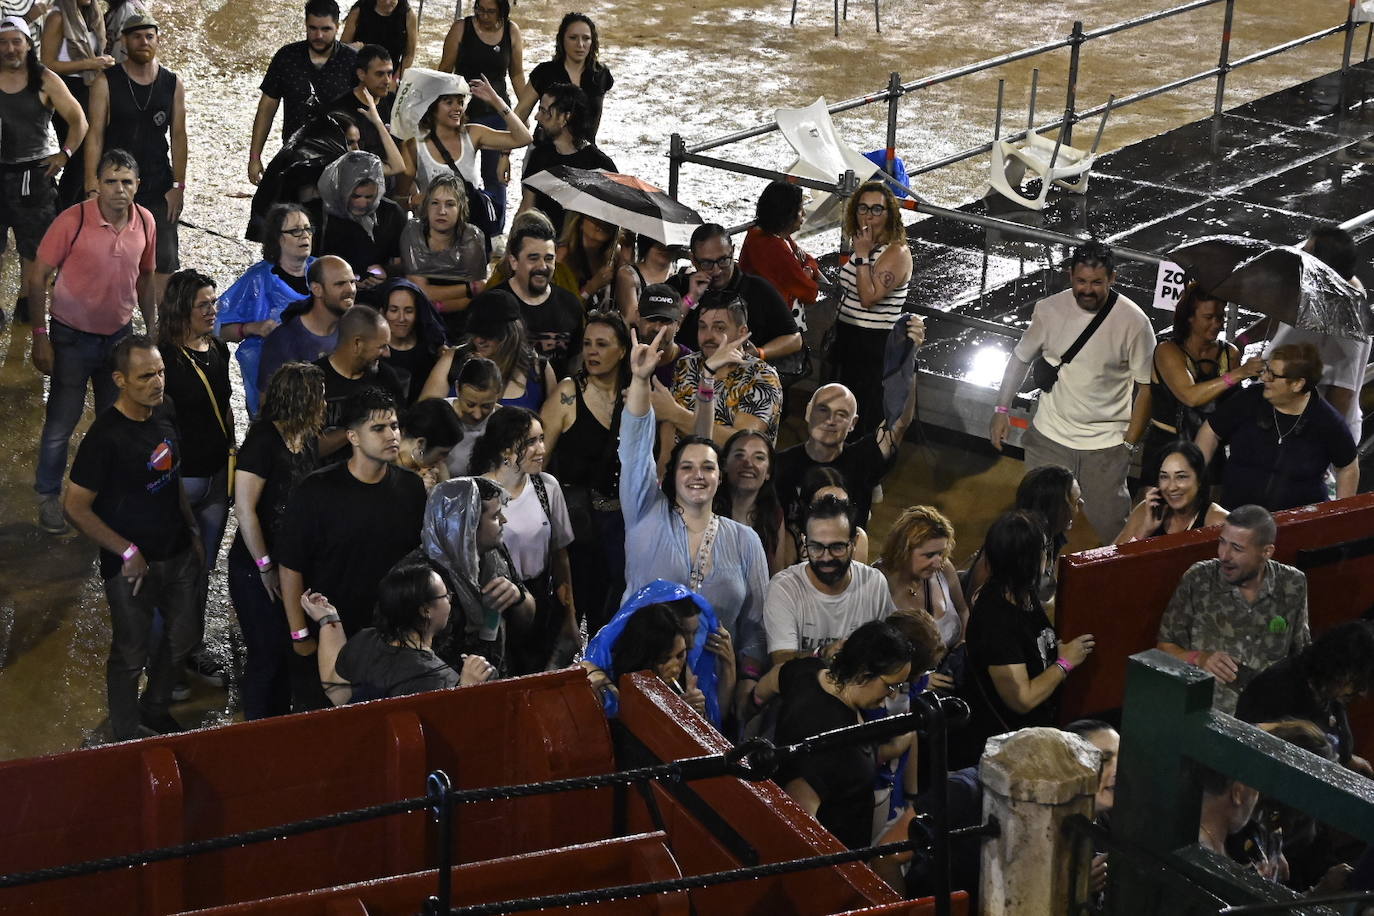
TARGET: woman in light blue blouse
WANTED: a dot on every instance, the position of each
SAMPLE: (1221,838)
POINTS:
(671,532)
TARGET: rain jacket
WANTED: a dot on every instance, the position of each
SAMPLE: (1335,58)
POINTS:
(256,296)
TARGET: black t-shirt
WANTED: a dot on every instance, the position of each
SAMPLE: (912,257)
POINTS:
(862,464)
(264,454)
(134,468)
(378,669)
(411,368)
(350,241)
(300,284)
(343,535)
(303,88)
(1000,633)
(554,326)
(368,137)
(337,389)
(1261,471)
(595,82)
(769,316)
(1282,692)
(843,778)
(204,444)
(544,156)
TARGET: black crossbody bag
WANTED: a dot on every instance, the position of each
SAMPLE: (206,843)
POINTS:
(1045,373)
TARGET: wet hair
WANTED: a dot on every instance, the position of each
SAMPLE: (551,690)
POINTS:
(718,300)
(892,225)
(272,231)
(831,506)
(529,225)
(402,595)
(704,233)
(1300,361)
(454,185)
(1193,296)
(124,350)
(621,331)
(370,53)
(645,243)
(116,158)
(915,526)
(478,372)
(507,429)
(294,400)
(319,8)
(1045,492)
(513,355)
(1093,253)
(582,261)
(669,484)
(435,422)
(1014,548)
(873,650)
(768,514)
(1196,463)
(647,640)
(362,406)
(487,490)
(33,66)
(358,321)
(502,5)
(1334,247)
(927,645)
(1257,520)
(560,53)
(1341,655)
(572,101)
(818,478)
(1085,728)
(777,206)
(174,315)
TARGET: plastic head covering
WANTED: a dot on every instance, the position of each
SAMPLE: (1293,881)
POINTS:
(702,663)
(419,89)
(342,176)
(449,534)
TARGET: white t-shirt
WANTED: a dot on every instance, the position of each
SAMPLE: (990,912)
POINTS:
(457,460)
(530,535)
(1343,364)
(798,618)
(1090,406)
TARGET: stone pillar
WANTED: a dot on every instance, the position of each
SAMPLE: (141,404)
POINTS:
(1032,780)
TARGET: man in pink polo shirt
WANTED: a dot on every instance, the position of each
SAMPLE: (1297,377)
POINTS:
(102,252)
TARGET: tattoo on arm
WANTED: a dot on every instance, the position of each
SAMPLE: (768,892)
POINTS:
(887,279)
(566,398)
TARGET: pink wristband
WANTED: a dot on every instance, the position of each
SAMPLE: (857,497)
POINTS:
(1193,656)
(1228,379)
(689,302)
(1000,409)
(129,552)
(40,331)
(1064,664)
(263,561)
(301,634)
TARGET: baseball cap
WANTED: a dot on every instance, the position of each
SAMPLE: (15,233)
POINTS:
(138,21)
(660,301)
(490,312)
(16,24)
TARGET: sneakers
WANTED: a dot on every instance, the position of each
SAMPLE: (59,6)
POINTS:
(181,693)
(204,666)
(50,516)
(160,722)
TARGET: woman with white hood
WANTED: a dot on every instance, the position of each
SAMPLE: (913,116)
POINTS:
(356,221)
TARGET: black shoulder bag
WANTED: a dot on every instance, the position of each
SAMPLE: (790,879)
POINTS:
(1045,373)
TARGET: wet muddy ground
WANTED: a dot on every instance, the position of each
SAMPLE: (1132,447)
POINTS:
(703,71)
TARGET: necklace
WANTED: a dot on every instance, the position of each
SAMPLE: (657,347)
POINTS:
(147,99)
(1292,429)
(1210,836)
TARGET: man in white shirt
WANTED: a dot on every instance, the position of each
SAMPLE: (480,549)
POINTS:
(1093,418)
(816,603)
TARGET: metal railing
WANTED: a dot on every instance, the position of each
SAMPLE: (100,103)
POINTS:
(755,760)
(680,153)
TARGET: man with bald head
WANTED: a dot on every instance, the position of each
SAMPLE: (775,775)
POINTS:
(364,338)
(309,328)
(830,417)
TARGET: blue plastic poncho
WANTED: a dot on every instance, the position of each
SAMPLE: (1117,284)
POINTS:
(256,296)
(702,663)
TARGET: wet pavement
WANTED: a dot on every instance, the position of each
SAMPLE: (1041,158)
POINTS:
(703,70)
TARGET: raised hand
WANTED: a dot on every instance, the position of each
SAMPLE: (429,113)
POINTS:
(730,353)
(644,356)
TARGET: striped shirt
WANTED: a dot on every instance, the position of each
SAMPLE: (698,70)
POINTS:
(884,313)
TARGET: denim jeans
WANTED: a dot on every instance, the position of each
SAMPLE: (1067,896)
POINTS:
(78,358)
(209,500)
(170,588)
(266,684)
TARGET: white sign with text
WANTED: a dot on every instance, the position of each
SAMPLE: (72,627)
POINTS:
(1169,286)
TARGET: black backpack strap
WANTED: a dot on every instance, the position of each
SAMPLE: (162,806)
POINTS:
(1088,332)
(537,481)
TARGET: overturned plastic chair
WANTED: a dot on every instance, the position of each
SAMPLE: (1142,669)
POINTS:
(821,155)
(1055,164)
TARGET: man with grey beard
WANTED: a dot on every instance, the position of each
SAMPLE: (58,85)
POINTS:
(29,153)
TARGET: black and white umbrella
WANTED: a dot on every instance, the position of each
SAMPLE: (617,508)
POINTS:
(621,200)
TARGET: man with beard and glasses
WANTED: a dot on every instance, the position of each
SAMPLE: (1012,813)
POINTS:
(364,337)
(137,106)
(310,328)
(1092,417)
(29,154)
(812,605)
(307,75)
(552,315)
(1236,615)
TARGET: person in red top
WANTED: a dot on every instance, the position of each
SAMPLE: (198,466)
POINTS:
(769,251)
(105,248)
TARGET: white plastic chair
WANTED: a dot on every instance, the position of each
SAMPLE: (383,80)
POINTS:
(821,155)
(1054,163)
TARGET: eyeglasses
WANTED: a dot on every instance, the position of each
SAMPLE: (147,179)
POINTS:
(446,596)
(892,689)
(716,264)
(207,306)
(1267,374)
(837,549)
(875,209)
(299,232)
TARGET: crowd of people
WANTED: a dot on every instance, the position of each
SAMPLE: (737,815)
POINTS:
(482,446)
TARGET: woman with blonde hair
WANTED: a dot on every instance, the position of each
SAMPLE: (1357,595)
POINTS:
(916,561)
(594,250)
(443,253)
(874,282)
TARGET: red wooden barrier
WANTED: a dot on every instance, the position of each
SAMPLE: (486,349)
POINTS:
(627,860)
(1119,594)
